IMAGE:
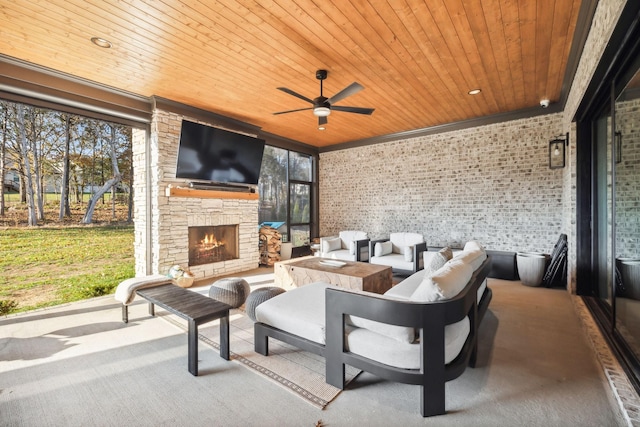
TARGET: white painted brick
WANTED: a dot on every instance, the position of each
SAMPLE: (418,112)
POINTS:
(490,183)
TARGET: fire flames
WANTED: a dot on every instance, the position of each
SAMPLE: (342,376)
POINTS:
(210,242)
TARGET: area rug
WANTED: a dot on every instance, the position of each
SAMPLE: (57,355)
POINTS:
(300,372)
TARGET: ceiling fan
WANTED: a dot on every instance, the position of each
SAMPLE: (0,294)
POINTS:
(322,106)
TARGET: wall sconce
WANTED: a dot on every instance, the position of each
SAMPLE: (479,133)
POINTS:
(557,152)
(618,148)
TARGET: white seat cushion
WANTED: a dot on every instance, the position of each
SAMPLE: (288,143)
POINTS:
(299,311)
(393,260)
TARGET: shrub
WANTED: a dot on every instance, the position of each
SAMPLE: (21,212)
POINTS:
(7,306)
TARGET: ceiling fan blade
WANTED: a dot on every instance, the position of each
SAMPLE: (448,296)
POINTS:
(296,94)
(322,120)
(353,88)
(357,110)
(292,111)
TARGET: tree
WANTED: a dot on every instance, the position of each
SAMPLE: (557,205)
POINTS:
(65,209)
(35,148)
(63,153)
(273,184)
(3,156)
(26,166)
(115,179)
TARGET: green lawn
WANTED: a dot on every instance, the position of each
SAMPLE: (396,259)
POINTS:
(48,266)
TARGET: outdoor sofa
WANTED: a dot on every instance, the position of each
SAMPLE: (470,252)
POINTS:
(422,331)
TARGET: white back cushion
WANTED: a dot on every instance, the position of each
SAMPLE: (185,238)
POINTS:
(352,235)
(473,257)
(445,283)
(401,240)
(473,244)
(398,333)
(349,237)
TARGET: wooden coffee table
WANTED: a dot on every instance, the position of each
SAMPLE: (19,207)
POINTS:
(350,274)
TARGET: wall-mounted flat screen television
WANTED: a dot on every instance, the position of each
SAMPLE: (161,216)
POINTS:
(218,156)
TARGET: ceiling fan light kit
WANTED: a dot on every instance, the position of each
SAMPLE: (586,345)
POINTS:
(322,111)
(322,106)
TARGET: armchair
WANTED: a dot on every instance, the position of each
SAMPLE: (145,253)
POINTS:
(402,252)
(349,245)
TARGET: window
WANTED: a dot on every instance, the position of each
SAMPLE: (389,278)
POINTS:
(285,187)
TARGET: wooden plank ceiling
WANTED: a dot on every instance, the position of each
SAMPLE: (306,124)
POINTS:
(417,59)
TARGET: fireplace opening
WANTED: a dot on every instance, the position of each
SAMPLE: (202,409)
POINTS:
(215,243)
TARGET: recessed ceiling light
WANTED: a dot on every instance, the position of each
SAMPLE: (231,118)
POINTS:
(474,91)
(99,41)
(321,128)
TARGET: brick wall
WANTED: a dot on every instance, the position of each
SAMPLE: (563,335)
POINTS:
(490,183)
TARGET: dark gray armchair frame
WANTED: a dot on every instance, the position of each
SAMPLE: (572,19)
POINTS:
(360,245)
(429,318)
(418,260)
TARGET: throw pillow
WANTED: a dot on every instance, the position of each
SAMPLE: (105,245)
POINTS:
(331,244)
(445,283)
(408,253)
(434,262)
(446,252)
(382,248)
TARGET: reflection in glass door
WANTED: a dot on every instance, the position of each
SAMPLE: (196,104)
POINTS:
(627,214)
(603,214)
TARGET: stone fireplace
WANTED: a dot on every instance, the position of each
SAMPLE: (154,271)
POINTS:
(209,244)
(168,212)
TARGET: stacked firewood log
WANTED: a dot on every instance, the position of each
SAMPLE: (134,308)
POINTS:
(270,241)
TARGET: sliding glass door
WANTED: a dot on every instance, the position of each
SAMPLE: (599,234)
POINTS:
(626,191)
(608,193)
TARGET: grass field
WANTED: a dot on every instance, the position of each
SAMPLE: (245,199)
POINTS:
(61,262)
(49,266)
